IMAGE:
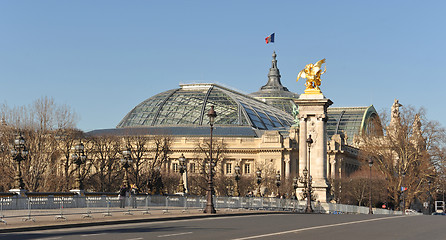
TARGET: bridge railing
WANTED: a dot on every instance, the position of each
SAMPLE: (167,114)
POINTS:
(60,204)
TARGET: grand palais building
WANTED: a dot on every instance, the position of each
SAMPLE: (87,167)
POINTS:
(259,130)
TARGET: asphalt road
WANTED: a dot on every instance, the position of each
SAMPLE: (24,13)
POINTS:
(271,226)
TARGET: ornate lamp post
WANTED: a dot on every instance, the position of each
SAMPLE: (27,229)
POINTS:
(305,180)
(19,153)
(126,160)
(370,186)
(182,169)
(209,199)
(308,178)
(237,178)
(79,158)
(278,182)
(403,188)
(259,181)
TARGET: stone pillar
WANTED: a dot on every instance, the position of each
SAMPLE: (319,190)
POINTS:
(313,121)
(287,168)
(333,167)
(302,143)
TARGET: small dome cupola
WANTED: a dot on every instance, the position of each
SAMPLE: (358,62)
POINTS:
(274,93)
(274,77)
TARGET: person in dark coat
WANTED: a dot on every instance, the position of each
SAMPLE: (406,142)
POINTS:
(122,195)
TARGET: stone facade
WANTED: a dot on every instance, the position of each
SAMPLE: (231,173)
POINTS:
(271,153)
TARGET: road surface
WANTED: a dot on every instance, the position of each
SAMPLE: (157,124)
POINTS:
(263,227)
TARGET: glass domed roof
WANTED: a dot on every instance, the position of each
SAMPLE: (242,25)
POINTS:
(189,105)
(351,121)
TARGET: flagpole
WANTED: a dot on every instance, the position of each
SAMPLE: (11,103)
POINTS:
(271,39)
(274,43)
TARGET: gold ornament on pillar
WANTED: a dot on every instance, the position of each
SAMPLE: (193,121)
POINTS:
(312,72)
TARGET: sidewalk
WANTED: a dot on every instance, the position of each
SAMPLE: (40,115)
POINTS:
(70,218)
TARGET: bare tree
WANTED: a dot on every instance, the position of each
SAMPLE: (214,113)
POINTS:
(139,146)
(106,170)
(38,123)
(67,138)
(158,153)
(268,174)
(407,153)
(7,169)
(202,156)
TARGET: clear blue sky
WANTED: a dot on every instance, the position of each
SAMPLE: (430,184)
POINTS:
(104,57)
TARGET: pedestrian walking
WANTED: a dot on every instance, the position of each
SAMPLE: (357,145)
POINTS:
(134,191)
(122,194)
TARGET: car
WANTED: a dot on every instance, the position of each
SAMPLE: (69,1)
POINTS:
(411,211)
(438,213)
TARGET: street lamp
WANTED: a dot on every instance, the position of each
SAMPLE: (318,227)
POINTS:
(19,153)
(78,158)
(306,181)
(429,195)
(209,201)
(278,182)
(182,169)
(443,197)
(237,178)
(403,188)
(309,209)
(126,160)
(259,181)
(370,186)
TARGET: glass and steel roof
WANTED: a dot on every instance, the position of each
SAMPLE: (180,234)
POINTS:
(227,131)
(277,99)
(350,120)
(189,104)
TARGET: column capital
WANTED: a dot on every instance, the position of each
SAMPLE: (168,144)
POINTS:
(302,117)
(322,117)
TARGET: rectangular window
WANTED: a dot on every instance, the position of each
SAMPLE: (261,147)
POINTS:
(247,168)
(175,167)
(228,168)
(192,167)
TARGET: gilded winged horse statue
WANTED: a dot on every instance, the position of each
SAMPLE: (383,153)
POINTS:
(312,72)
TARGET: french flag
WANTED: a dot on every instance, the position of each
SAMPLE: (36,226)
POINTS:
(269,39)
